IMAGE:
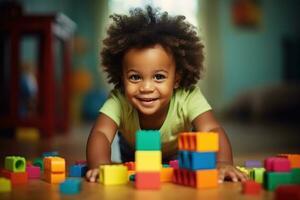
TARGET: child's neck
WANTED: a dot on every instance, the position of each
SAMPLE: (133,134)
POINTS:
(153,122)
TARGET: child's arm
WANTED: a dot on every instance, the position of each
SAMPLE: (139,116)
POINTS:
(207,122)
(98,150)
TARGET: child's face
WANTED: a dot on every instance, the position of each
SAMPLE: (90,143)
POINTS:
(149,77)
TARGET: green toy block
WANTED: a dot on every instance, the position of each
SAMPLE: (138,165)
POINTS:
(295,175)
(147,140)
(5,185)
(274,179)
(257,174)
(39,162)
(15,163)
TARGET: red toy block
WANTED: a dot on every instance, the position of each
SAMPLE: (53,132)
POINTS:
(130,165)
(147,180)
(15,177)
(287,192)
(33,171)
(251,187)
(277,164)
(174,164)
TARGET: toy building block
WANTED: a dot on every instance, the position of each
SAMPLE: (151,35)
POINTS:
(148,161)
(251,187)
(70,186)
(130,165)
(148,140)
(113,174)
(130,173)
(274,179)
(54,164)
(253,163)
(54,177)
(183,141)
(33,171)
(166,174)
(193,141)
(295,175)
(174,164)
(15,177)
(5,185)
(147,180)
(15,163)
(276,164)
(78,170)
(257,174)
(50,154)
(80,162)
(294,159)
(206,178)
(39,163)
(197,160)
(287,192)
(244,170)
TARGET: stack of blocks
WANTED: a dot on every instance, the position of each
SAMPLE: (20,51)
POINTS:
(54,169)
(148,159)
(197,160)
(15,169)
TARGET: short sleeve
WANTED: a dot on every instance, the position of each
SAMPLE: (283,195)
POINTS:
(196,104)
(112,108)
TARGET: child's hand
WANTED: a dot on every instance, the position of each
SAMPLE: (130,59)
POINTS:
(228,171)
(92,175)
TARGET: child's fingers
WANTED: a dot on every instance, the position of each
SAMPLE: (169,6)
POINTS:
(91,175)
(221,175)
(233,176)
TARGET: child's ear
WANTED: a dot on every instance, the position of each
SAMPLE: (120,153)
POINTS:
(177,80)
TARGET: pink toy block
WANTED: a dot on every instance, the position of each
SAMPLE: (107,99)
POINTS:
(174,164)
(33,171)
(287,192)
(251,187)
(277,164)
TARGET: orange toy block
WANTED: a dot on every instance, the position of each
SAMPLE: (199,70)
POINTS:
(207,178)
(199,141)
(54,164)
(130,165)
(53,177)
(166,174)
(147,180)
(183,142)
(15,177)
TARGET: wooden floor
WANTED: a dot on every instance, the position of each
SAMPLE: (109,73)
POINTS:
(249,141)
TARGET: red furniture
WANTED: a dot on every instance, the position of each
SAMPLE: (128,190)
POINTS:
(53,95)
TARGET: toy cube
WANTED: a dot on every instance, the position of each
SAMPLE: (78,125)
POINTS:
(33,171)
(39,163)
(5,185)
(15,163)
(70,186)
(147,161)
(54,177)
(183,141)
(174,164)
(113,174)
(206,141)
(50,154)
(276,164)
(206,178)
(78,170)
(251,187)
(293,158)
(274,179)
(287,192)
(257,174)
(197,160)
(147,180)
(54,164)
(15,177)
(166,174)
(253,163)
(295,175)
(148,140)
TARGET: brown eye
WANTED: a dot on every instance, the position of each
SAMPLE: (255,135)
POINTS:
(134,77)
(159,77)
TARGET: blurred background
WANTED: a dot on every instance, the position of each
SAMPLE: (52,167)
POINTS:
(52,85)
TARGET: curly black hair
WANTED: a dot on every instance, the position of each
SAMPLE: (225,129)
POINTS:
(144,28)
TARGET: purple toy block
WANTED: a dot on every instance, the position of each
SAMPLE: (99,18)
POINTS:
(253,164)
(277,164)
(33,171)
(174,164)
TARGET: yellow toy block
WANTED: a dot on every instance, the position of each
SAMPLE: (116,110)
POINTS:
(54,164)
(148,161)
(166,174)
(113,174)
(207,178)
(243,169)
(5,185)
(52,177)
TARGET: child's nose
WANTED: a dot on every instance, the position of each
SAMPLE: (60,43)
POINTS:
(147,86)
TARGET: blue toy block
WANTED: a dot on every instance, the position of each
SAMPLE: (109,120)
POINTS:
(50,154)
(78,170)
(70,186)
(197,160)
(148,140)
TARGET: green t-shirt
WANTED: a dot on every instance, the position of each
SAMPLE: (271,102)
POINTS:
(185,106)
